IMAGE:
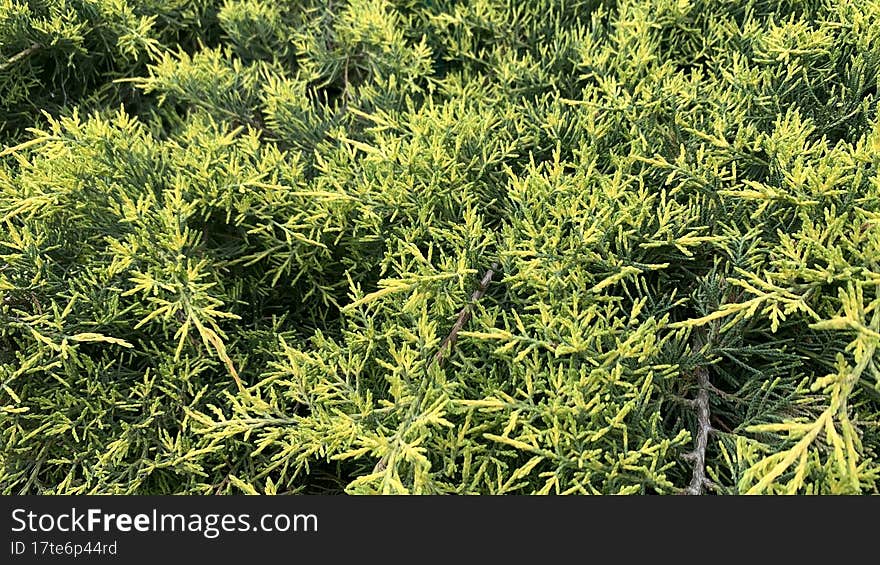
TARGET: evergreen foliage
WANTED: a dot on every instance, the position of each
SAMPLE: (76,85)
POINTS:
(489,246)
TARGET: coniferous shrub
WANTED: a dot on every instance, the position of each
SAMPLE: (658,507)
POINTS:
(491,246)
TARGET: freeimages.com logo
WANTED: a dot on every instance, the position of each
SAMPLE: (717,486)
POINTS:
(208,525)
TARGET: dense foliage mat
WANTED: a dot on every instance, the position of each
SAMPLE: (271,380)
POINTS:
(491,246)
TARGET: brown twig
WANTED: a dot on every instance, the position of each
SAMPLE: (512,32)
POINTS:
(345,84)
(704,427)
(722,425)
(218,489)
(222,484)
(464,316)
(19,56)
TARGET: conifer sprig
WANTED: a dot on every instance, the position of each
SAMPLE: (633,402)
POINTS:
(464,315)
(234,235)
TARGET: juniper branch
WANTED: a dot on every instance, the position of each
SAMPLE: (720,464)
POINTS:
(698,455)
(464,315)
(19,56)
(704,426)
(689,201)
